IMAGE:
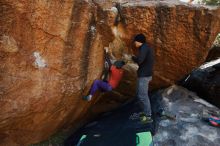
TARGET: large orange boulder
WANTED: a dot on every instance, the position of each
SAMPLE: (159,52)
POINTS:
(51,51)
(181,35)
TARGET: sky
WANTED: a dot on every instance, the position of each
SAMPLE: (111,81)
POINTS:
(184,0)
(195,1)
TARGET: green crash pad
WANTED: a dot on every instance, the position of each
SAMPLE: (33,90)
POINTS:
(144,139)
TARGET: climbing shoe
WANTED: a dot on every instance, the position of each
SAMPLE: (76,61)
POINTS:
(87,98)
(145,119)
(167,115)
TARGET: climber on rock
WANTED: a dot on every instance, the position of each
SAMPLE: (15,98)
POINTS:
(108,83)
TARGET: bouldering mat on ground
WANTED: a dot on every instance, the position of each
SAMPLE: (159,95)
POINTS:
(115,128)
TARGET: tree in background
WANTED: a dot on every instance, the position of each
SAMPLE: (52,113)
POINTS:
(211,2)
(217,40)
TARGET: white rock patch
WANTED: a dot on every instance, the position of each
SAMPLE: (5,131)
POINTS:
(39,61)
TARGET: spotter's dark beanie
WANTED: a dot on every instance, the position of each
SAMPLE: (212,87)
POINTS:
(140,38)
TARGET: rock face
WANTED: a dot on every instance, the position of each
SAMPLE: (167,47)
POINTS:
(214,53)
(180,35)
(205,81)
(50,54)
(188,128)
(51,51)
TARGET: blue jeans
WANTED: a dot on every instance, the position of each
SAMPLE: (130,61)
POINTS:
(142,94)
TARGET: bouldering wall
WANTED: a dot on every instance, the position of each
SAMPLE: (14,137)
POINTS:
(181,35)
(51,51)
